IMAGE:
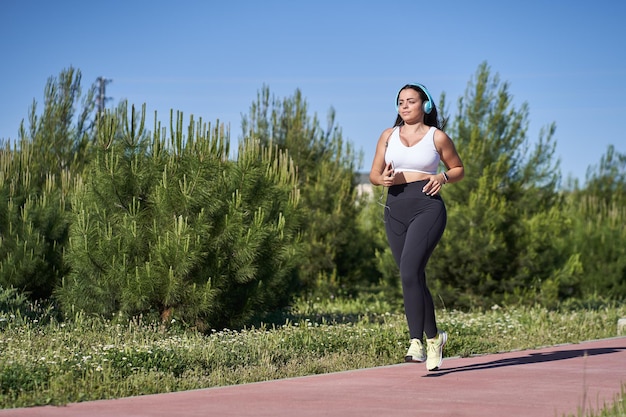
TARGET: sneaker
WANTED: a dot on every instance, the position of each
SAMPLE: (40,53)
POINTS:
(416,352)
(435,351)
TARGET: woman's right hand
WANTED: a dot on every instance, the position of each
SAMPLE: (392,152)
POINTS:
(388,175)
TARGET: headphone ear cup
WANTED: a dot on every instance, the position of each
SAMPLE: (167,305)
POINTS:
(428,107)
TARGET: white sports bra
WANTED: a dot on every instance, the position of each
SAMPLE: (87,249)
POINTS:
(421,157)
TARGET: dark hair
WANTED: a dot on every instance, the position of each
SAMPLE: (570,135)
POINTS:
(430,119)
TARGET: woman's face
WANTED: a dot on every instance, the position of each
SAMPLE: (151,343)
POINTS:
(410,105)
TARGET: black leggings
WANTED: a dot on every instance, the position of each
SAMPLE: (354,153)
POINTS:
(414,223)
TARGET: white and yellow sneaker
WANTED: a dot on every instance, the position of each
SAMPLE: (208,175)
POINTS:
(434,350)
(416,352)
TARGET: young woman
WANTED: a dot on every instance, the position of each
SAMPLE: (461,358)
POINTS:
(407,159)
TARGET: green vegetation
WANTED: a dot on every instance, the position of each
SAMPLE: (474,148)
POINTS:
(617,408)
(136,261)
(102,215)
(116,358)
(171,227)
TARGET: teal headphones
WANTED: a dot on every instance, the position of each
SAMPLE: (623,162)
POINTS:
(427,105)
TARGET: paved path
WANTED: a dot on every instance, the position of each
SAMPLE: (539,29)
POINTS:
(552,381)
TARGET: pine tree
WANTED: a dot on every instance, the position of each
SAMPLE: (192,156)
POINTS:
(607,180)
(170,226)
(37,173)
(337,256)
(496,247)
(598,232)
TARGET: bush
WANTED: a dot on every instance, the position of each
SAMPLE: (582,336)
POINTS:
(36,178)
(173,228)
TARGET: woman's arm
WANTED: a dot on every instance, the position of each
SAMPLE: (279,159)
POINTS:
(381,174)
(450,157)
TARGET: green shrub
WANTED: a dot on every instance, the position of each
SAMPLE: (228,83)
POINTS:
(172,227)
(36,179)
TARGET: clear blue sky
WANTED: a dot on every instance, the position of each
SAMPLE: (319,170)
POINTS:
(566,59)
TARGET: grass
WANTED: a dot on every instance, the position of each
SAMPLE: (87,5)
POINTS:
(615,409)
(48,362)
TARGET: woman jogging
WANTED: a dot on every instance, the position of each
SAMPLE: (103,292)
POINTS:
(407,159)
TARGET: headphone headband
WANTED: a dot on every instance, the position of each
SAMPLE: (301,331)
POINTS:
(428,105)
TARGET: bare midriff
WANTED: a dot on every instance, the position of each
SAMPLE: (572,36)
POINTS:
(406,177)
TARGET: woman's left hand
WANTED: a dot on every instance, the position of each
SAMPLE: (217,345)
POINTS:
(433,186)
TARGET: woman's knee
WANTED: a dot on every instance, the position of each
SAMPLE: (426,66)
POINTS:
(412,281)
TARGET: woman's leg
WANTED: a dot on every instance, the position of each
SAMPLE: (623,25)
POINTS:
(414,228)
